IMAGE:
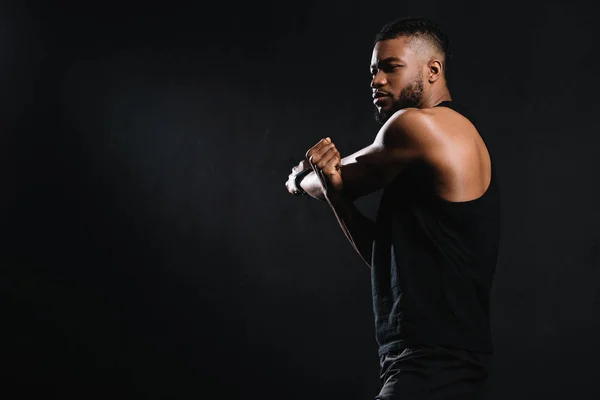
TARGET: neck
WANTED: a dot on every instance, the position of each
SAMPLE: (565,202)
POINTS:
(435,97)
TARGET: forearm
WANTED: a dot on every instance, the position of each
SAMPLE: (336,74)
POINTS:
(356,184)
(311,185)
(359,229)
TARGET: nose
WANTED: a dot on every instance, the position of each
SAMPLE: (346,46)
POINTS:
(378,80)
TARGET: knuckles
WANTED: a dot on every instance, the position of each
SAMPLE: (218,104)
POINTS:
(323,146)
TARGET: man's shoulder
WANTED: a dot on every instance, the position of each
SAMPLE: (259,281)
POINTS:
(441,136)
(431,125)
(418,126)
(424,117)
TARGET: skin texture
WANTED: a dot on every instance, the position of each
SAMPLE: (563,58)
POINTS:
(409,74)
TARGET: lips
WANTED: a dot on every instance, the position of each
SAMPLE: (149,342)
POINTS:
(380,97)
(377,95)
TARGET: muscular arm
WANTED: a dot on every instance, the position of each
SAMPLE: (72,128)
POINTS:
(364,172)
(398,143)
(357,183)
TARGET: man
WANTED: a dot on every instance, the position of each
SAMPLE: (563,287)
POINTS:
(433,247)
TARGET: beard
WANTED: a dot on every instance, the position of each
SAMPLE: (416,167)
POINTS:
(410,96)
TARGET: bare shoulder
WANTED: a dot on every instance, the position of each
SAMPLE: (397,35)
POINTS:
(434,124)
(450,144)
(407,126)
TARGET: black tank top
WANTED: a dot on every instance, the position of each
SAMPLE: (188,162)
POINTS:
(433,263)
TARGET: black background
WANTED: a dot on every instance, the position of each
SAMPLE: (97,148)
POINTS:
(151,250)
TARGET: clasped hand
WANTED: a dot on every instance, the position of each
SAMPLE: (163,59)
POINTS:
(325,160)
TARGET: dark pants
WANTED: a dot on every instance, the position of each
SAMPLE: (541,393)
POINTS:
(432,372)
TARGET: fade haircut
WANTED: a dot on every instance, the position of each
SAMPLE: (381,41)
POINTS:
(418,28)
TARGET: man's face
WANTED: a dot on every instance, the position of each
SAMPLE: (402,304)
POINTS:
(397,82)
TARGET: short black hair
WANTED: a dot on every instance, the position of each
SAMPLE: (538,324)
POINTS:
(415,27)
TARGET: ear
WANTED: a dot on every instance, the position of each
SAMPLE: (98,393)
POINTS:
(435,70)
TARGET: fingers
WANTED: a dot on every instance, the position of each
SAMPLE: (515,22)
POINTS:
(317,147)
(332,166)
(322,160)
(322,153)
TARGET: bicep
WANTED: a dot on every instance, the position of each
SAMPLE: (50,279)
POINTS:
(368,170)
(358,176)
(401,141)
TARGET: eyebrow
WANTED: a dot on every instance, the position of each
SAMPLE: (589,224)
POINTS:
(387,60)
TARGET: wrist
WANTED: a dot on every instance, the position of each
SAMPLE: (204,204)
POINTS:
(298,180)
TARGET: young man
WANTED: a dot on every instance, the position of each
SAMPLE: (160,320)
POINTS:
(433,247)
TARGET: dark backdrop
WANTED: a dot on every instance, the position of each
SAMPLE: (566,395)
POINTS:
(150,249)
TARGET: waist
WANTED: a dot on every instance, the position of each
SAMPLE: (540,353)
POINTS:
(457,336)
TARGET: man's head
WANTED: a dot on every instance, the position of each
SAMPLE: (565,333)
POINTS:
(408,65)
